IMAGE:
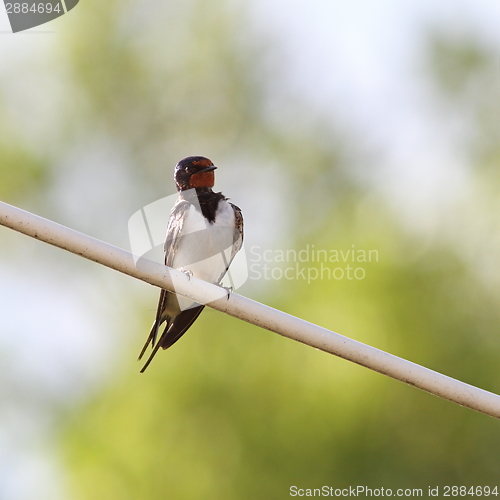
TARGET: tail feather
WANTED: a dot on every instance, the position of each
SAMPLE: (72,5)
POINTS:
(175,328)
(155,350)
(151,338)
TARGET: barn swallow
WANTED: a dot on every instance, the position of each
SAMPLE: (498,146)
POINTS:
(204,233)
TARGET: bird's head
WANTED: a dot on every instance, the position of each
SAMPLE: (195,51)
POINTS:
(194,172)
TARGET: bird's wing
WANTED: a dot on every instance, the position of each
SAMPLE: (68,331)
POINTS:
(237,239)
(238,231)
(174,330)
(174,230)
(179,325)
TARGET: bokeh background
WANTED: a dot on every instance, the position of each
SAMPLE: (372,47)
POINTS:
(333,123)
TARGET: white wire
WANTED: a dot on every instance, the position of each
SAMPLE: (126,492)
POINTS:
(251,311)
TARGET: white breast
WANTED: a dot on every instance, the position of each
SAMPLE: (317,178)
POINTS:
(207,239)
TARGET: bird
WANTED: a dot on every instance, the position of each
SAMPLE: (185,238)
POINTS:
(204,233)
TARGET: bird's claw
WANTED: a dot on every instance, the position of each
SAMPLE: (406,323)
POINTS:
(229,290)
(187,272)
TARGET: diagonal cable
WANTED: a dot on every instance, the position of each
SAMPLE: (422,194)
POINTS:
(251,311)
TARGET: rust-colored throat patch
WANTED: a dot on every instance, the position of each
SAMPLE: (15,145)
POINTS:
(202,179)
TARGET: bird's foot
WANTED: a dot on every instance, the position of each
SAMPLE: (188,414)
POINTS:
(229,290)
(187,272)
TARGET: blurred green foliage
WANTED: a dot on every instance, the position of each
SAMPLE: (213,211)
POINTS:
(468,78)
(232,411)
(22,170)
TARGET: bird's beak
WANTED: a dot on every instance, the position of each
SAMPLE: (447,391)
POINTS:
(208,169)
